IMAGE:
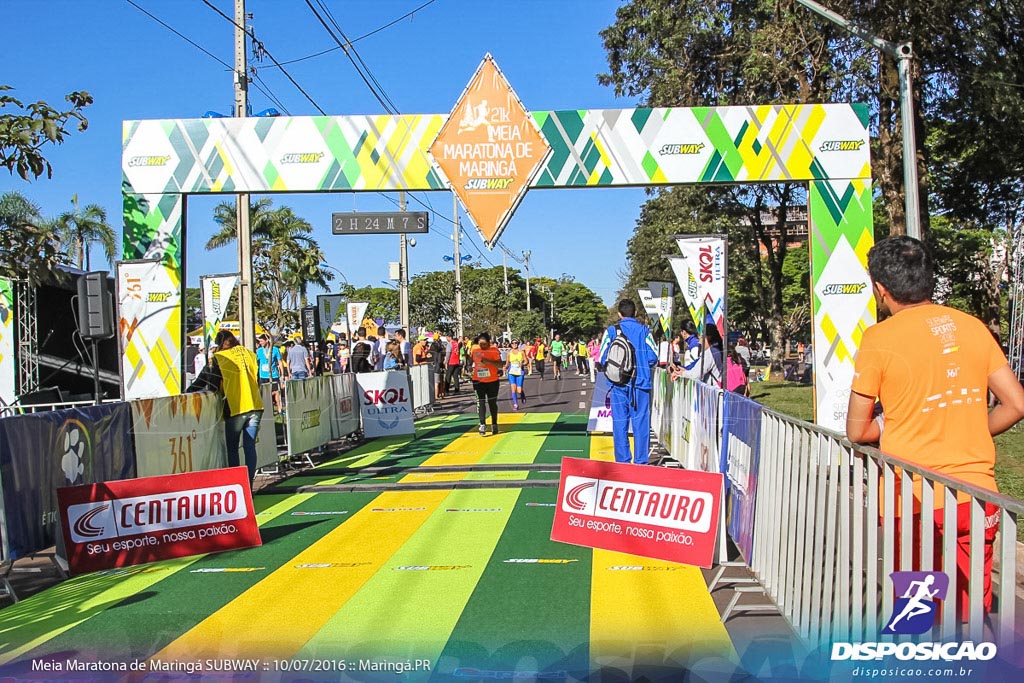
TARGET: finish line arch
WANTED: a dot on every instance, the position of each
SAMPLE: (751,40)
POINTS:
(824,145)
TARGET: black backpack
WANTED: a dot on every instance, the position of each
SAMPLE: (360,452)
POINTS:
(620,368)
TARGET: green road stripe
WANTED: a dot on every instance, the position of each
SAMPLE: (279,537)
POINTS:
(45,616)
(527,616)
(409,608)
(566,439)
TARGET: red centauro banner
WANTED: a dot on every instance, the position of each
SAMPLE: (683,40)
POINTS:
(638,509)
(133,521)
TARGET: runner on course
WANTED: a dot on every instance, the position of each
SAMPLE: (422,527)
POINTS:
(515,368)
(541,352)
(557,355)
(486,368)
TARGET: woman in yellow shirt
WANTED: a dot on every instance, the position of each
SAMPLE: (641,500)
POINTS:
(542,351)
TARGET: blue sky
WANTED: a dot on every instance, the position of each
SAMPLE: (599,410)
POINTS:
(136,69)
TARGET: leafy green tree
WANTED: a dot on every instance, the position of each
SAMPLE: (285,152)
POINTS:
(286,260)
(383,303)
(29,248)
(80,228)
(25,131)
(527,325)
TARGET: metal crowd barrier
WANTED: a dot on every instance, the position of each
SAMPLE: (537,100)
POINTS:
(827,530)
(423,386)
(834,519)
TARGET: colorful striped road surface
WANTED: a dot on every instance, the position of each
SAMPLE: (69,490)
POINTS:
(426,557)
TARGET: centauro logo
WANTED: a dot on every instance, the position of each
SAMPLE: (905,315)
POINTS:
(691,148)
(332,565)
(302,158)
(396,509)
(489,183)
(310,419)
(149,161)
(158,297)
(846,288)
(473,510)
(841,145)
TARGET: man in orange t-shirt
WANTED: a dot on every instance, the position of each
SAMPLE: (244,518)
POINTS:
(932,367)
(486,370)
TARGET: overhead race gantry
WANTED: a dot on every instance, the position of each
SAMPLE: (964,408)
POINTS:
(490,150)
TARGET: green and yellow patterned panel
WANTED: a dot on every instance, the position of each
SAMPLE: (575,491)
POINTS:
(842,304)
(704,145)
(284,154)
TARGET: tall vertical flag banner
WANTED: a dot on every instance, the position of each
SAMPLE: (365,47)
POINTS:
(649,303)
(332,310)
(356,313)
(663,294)
(217,291)
(704,259)
(8,368)
(149,328)
(687,280)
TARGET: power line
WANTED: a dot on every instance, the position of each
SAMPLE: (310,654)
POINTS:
(263,48)
(267,92)
(365,35)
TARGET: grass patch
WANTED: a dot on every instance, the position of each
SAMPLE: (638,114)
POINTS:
(790,398)
(798,400)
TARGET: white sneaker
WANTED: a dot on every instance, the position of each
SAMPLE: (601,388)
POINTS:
(483,430)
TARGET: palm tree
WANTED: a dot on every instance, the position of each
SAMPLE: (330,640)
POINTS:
(80,228)
(28,245)
(286,259)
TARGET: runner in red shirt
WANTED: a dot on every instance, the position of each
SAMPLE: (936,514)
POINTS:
(486,370)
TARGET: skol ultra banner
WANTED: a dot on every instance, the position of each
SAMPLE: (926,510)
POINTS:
(653,512)
(385,403)
(662,293)
(41,452)
(701,274)
(650,304)
(178,434)
(332,310)
(356,313)
(217,291)
(149,328)
(124,523)
(741,451)
(8,368)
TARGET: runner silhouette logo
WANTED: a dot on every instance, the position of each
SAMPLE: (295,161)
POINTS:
(916,593)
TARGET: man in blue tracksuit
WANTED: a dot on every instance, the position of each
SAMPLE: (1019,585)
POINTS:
(632,403)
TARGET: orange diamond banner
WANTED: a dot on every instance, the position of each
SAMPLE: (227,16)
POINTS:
(489,150)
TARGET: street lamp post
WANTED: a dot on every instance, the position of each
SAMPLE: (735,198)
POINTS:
(904,55)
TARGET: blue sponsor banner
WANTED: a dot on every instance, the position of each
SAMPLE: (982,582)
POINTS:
(741,450)
(41,452)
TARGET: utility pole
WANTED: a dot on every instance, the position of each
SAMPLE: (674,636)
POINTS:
(504,269)
(458,268)
(244,229)
(526,257)
(403,274)
(904,55)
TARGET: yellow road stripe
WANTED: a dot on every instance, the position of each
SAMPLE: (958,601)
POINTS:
(468,449)
(645,611)
(278,615)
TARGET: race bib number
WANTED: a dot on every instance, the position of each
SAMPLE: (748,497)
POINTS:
(483,372)
(515,369)
(265,368)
